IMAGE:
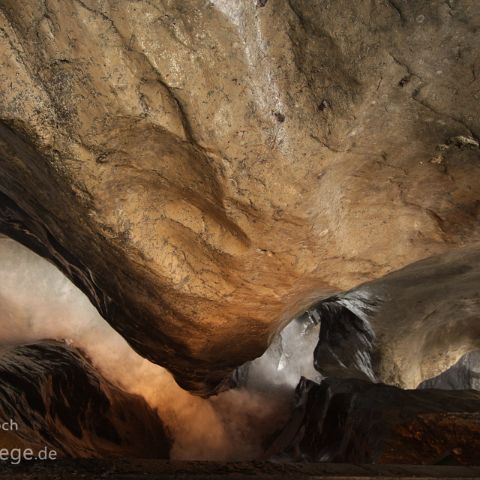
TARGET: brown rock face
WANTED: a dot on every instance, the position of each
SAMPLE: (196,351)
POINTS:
(205,170)
(57,399)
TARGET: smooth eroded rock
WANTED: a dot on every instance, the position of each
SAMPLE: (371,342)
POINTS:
(206,170)
(406,327)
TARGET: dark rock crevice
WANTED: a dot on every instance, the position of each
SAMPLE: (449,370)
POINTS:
(346,342)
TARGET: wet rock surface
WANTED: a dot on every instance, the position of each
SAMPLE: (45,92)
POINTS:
(205,171)
(406,327)
(58,400)
(465,374)
(362,422)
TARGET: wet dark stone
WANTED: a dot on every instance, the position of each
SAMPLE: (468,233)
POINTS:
(352,420)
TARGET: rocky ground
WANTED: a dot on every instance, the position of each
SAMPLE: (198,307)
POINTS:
(162,470)
(356,421)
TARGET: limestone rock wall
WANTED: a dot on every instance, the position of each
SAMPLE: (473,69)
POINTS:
(206,170)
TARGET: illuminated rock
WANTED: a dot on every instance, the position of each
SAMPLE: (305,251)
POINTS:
(406,327)
(57,400)
(204,171)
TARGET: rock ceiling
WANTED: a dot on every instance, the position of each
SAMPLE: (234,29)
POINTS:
(204,171)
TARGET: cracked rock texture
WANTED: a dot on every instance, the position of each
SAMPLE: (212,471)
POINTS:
(204,170)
